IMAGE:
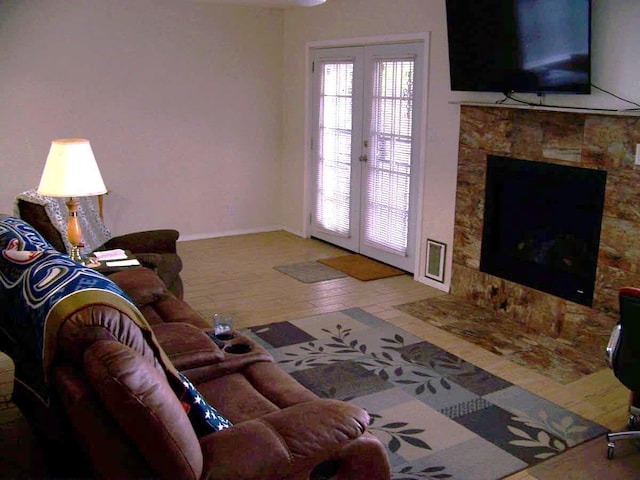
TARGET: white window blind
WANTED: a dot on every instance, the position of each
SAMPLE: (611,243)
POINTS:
(389,166)
(332,209)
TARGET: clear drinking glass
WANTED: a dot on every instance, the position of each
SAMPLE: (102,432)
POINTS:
(223,326)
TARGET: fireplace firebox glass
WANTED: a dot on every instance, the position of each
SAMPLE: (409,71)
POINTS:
(542,226)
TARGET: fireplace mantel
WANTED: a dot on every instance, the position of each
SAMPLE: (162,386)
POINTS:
(552,108)
(590,140)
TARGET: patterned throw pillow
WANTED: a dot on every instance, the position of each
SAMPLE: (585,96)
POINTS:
(204,418)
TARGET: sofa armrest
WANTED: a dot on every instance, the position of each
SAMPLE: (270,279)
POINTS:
(232,363)
(187,346)
(159,241)
(282,443)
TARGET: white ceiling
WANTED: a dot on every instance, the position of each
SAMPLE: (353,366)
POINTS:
(268,3)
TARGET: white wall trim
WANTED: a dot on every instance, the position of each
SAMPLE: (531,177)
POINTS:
(229,233)
(361,41)
(294,232)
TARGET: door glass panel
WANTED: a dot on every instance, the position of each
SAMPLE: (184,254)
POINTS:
(388,170)
(333,175)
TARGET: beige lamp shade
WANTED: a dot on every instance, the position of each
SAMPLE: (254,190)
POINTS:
(71,170)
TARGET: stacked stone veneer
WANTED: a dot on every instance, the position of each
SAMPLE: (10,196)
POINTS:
(588,140)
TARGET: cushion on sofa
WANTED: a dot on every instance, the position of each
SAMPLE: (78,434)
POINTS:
(169,309)
(141,284)
(146,408)
(101,322)
(149,293)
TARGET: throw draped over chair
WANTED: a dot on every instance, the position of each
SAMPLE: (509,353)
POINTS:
(155,249)
(623,356)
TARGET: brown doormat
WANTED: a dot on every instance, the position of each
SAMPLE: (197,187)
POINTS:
(362,268)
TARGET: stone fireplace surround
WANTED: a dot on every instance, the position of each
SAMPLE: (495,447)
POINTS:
(584,139)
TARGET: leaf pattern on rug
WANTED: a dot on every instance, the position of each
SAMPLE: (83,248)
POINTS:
(398,433)
(567,431)
(541,440)
(378,362)
(408,473)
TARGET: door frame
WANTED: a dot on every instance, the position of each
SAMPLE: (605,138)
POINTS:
(308,126)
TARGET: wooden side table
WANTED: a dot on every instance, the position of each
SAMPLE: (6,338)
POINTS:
(105,269)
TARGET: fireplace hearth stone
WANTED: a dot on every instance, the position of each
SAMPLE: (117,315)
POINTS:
(559,359)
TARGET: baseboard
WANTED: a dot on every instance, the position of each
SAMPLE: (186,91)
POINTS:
(228,233)
(297,233)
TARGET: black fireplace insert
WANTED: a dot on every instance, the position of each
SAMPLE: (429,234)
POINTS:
(542,226)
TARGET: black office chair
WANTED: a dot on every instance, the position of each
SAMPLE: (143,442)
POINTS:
(623,356)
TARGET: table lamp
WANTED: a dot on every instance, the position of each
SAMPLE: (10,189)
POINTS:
(71,171)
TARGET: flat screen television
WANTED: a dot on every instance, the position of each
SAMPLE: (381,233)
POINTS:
(527,46)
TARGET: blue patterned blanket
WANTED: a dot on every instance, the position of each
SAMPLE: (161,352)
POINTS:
(40,287)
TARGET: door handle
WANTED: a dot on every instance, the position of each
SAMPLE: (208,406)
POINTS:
(363,158)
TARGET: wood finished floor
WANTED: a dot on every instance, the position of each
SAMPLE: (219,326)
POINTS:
(236,275)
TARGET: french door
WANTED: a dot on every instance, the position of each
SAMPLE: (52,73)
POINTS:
(366,122)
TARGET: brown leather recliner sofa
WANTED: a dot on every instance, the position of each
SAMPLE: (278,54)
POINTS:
(112,412)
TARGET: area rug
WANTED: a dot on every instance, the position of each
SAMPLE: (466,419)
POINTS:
(438,415)
(310,272)
(557,359)
(361,267)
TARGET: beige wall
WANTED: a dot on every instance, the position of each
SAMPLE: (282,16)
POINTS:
(615,67)
(181,102)
(196,112)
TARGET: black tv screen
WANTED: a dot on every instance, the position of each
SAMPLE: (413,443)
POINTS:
(528,46)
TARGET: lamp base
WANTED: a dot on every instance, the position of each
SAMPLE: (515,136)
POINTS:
(73,230)
(75,254)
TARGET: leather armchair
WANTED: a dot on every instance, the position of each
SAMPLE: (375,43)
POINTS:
(623,356)
(155,249)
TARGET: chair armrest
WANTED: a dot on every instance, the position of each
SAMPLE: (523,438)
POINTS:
(282,443)
(158,241)
(612,345)
(149,260)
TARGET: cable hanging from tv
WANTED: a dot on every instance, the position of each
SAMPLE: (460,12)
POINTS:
(637,105)
(512,97)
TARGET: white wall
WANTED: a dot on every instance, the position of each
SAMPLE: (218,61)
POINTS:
(181,102)
(615,67)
